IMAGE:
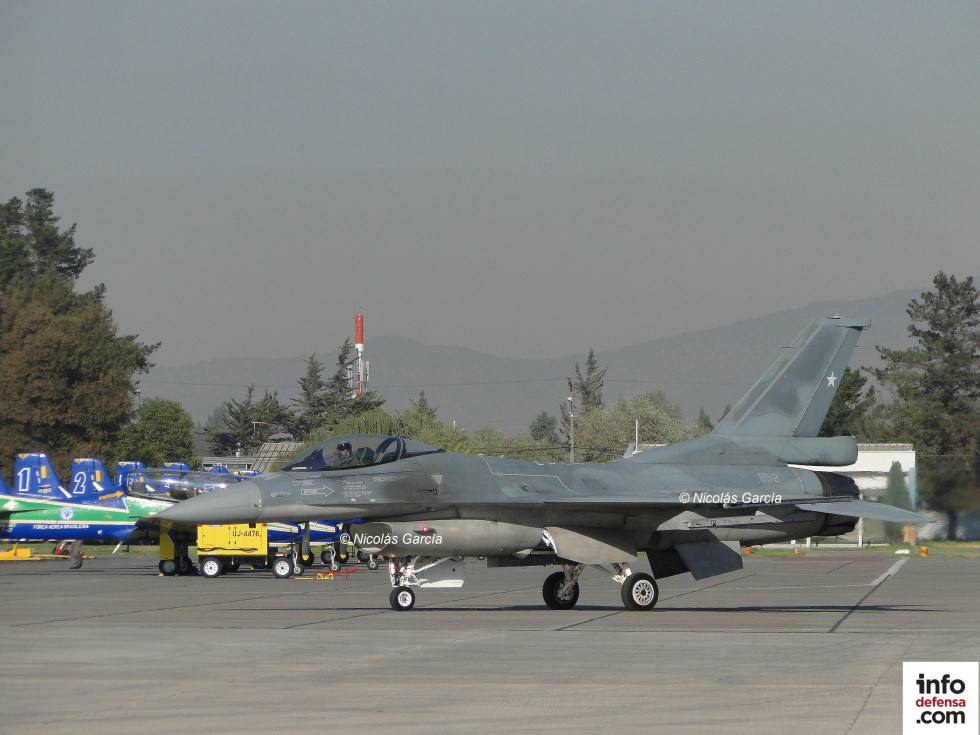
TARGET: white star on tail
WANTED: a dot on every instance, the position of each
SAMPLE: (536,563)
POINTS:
(831,381)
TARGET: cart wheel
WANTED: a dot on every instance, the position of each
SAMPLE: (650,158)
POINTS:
(211,567)
(282,567)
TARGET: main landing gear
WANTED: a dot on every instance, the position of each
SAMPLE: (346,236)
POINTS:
(639,591)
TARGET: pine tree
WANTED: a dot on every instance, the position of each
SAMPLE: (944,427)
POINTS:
(421,406)
(66,377)
(937,389)
(586,394)
(588,389)
(340,401)
(309,404)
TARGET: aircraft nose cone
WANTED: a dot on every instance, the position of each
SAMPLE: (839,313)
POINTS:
(241,503)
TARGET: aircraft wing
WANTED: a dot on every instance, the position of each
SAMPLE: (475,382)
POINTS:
(852,508)
(15,511)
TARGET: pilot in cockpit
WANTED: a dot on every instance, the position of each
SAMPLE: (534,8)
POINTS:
(345,455)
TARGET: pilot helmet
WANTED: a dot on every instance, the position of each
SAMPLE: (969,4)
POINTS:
(344,447)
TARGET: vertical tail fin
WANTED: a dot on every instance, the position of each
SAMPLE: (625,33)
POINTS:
(123,469)
(792,398)
(91,483)
(34,477)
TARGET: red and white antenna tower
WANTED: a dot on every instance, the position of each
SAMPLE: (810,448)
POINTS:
(362,375)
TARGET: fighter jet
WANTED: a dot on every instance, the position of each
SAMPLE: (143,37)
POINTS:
(425,509)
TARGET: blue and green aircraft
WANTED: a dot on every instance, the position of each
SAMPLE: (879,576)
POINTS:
(40,508)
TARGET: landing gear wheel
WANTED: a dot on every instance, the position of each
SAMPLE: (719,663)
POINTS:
(167,567)
(334,566)
(282,567)
(402,598)
(308,560)
(372,562)
(640,592)
(558,594)
(298,568)
(211,567)
(185,567)
(325,557)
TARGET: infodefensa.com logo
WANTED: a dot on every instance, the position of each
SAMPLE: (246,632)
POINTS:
(940,697)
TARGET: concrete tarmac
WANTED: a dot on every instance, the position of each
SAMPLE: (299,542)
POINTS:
(811,644)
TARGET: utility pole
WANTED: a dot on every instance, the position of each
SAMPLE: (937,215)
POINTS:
(571,432)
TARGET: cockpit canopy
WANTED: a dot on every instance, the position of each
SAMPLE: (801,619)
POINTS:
(356,450)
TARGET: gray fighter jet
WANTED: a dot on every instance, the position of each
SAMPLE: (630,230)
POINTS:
(425,509)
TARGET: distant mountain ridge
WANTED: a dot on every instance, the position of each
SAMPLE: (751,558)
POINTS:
(711,368)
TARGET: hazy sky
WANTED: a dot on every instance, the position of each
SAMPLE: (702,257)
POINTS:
(528,179)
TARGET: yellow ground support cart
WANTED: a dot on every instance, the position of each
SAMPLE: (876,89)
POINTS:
(223,548)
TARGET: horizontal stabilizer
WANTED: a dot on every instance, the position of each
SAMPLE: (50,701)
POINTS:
(709,558)
(867,509)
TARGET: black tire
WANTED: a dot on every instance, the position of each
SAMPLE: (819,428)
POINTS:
(372,562)
(167,567)
(402,599)
(211,567)
(363,556)
(233,566)
(310,560)
(282,567)
(325,557)
(555,596)
(298,568)
(335,566)
(640,592)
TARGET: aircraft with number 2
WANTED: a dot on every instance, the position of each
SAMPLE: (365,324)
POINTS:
(425,509)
